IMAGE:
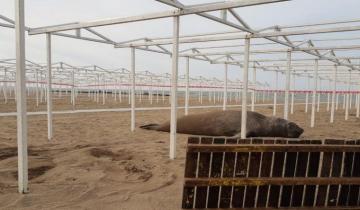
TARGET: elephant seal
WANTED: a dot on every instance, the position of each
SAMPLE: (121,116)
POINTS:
(228,123)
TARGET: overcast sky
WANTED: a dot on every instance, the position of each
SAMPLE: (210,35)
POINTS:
(49,12)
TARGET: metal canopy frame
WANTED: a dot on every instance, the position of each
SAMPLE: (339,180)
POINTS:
(277,35)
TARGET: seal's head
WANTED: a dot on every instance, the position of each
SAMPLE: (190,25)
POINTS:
(293,130)
(283,128)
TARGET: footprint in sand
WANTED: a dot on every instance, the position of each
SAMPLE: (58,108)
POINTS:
(39,162)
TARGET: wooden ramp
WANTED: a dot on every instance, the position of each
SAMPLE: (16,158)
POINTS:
(228,173)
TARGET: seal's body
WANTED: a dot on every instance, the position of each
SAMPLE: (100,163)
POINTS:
(228,123)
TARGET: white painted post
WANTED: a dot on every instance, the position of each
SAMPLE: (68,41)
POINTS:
(275,93)
(253,96)
(170,92)
(150,91)
(73,88)
(187,78)
(214,97)
(263,95)
(328,98)
(348,97)
(103,89)
(225,87)
(120,91)
(287,87)
(60,88)
(245,88)
(98,88)
(163,94)
(37,87)
(209,94)
(292,94)
(114,90)
(201,91)
(174,76)
(49,88)
(319,97)
(307,95)
(41,88)
(157,94)
(132,89)
(358,105)
(314,94)
(21,98)
(5,89)
(332,115)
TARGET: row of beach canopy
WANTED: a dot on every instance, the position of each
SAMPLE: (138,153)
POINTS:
(94,79)
(292,54)
(97,82)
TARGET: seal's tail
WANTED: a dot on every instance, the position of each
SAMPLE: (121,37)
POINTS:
(150,126)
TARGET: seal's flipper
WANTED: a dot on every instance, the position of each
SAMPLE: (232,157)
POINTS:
(150,126)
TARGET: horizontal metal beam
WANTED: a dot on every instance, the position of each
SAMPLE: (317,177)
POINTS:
(196,39)
(349,47)
(204,182)
(187,11)
(272,148)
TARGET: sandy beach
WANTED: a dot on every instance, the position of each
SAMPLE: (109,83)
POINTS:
(94,161)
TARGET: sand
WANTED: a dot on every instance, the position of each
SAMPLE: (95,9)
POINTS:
(95,162)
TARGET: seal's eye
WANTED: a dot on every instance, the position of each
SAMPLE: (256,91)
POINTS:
(294,131)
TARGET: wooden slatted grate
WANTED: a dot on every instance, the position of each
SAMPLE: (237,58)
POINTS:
(228,173)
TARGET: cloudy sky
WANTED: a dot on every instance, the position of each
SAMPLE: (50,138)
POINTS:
(49,12)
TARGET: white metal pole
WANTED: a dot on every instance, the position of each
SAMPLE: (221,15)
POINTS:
(337,101)
(328,100)
(150,91)
(348,97)
(49,88)
(37,87)
(287,87)
(201,91)
(358,105)
(245,88)
(319,97)
(332,115)
(129,91)
(307,95)
(103,89)
(174,76)
(73,88)
(41,88)
(253,96)
(225,86)
(275,93)
(60,88)
(115,90)
(21,97)
(187,86)
(120,91)
(98,88)
(132,89)
(292,94)
(314,94)
(163,93)
(5,86)
(157,94)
